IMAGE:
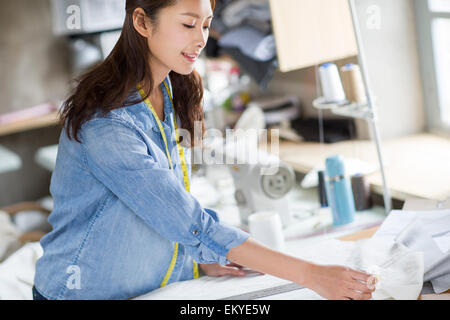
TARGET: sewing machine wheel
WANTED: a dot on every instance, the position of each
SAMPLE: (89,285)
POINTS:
(277,185)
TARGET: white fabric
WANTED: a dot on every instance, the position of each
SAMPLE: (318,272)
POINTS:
(9,236)
(236,12)
(424,231)
(400,272)
(251,42)
(17,273)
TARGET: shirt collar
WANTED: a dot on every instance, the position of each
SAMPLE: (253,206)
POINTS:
(168,108)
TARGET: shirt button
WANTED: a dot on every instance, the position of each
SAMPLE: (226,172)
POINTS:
(195,232)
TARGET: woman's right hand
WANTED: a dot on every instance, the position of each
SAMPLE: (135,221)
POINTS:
(339,283)
(331,282)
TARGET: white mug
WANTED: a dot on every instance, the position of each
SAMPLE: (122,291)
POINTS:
(266,227)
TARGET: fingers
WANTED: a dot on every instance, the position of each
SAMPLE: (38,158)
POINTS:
(360,286)
(357,286)
(358,291)
(359,275)
(245,269)
(353,295)
(343,283)
(372,282)
(366,281)
(232,264)
(232,271)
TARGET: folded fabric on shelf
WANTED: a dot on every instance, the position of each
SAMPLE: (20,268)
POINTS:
(251,42)
(237,12)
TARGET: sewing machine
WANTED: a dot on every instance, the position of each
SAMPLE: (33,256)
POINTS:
(261,179)
(259,192)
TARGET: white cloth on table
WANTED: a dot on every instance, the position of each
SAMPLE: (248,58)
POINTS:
(427,232)
(400,272)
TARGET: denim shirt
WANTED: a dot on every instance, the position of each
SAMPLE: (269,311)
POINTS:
(119,209)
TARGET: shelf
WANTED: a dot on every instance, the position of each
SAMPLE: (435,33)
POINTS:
(346,109)
(321,104)
(47,120)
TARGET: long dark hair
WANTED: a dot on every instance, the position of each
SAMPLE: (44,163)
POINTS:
(107,85)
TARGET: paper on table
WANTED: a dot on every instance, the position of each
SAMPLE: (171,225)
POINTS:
(213,288)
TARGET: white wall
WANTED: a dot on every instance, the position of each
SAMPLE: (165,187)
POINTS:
(393,64)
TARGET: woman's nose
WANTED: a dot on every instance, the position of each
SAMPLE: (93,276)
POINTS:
(202,38)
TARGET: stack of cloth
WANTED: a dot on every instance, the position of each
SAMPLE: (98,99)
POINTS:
(244,32)
(427,232)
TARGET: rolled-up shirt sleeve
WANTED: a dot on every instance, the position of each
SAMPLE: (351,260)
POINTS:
(117,155)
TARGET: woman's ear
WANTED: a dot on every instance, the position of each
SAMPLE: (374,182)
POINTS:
(141,23)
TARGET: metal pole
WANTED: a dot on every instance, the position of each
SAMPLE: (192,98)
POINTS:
(370,103)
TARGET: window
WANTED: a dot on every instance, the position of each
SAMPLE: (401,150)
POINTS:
(440,29)
(439,5)
(433,28)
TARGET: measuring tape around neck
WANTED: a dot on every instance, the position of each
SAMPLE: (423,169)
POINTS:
(184,169)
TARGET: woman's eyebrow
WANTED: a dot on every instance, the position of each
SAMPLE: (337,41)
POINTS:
(194,15)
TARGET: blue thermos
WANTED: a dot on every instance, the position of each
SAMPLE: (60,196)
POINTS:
(339,191)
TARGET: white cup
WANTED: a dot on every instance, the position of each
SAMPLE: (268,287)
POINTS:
(266,227)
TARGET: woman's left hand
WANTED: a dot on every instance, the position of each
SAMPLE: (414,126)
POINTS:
(217,270)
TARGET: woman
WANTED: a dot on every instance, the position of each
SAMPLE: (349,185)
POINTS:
(124,222)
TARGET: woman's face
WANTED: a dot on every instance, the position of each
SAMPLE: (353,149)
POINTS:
(181,33)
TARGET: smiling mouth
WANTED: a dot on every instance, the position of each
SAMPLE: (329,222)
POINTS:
(190,57)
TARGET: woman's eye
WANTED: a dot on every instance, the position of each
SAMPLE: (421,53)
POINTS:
(192,27)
